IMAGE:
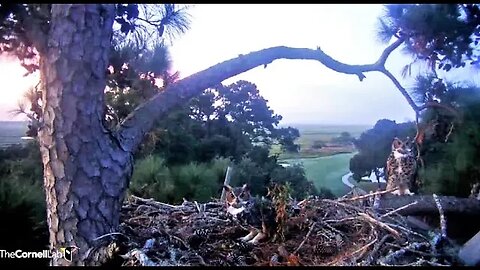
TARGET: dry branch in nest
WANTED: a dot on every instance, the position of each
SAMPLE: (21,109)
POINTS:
(318,232)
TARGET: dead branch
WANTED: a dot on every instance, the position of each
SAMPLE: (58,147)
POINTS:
(411,250)
(306,237)
(368,195)
(343,205)
(154,203)
(380,224)
(406,230)
(450,130)
(398,209)
(364,248)
(443,222)
(375,250)
(427,206)
(390,258)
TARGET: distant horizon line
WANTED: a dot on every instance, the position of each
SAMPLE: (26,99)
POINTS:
(324,124)
(280,124)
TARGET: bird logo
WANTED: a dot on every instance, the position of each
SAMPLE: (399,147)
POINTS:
(68,252)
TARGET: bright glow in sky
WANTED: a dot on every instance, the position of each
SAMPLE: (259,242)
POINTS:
(13,87)
(301,91)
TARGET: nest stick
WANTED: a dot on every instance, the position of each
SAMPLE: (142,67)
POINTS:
(376,248)
(443,221)
(306,237)
(153,202)
(368,195)
(344,205)
(380,224)
(411,250)
(109,234)
(363,248)
(398,209)
(407,230)
(449,132)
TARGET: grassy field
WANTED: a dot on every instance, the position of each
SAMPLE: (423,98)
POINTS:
(326,166)
(326,172)
(11,132)
(309,134)
(312,133)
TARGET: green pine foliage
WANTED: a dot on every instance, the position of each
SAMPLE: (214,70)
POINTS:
(152,178)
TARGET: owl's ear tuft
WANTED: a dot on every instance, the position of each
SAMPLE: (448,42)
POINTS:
(397,143)
(227,187)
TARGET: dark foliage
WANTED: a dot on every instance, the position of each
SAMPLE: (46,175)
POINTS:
(374,146)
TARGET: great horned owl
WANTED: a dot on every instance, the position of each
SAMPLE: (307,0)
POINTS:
(255,213)
(401,167)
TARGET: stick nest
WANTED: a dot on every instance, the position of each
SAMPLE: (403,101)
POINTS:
(343,232)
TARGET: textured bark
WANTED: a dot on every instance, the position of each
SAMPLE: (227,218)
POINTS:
(85,170)
(426,205)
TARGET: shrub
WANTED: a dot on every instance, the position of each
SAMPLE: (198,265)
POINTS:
(248,172)
(260,171)
(22,199)
(152,179)
(295,176)
(194,181)
(318,144)
(22,206)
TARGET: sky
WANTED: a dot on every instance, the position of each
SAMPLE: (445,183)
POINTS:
(302,91)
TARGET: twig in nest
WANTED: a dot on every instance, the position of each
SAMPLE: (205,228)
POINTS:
(110,234)
(340,220)
(390,258)
(449,133)
(375,250)
(306,237)
(443,221)
(153,202)
(200,208)
(380,224)
(368,195)
(344,205)
(217,219)
(332,228)
(411,250)
(398,209)
(181,241)
(302,202)
(407,230)
(129,221)
(363,248)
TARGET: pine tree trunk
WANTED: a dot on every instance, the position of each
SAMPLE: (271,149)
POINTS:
(86,172)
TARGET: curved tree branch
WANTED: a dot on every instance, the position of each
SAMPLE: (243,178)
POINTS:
(131,131)
(383,58)
(402,90)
